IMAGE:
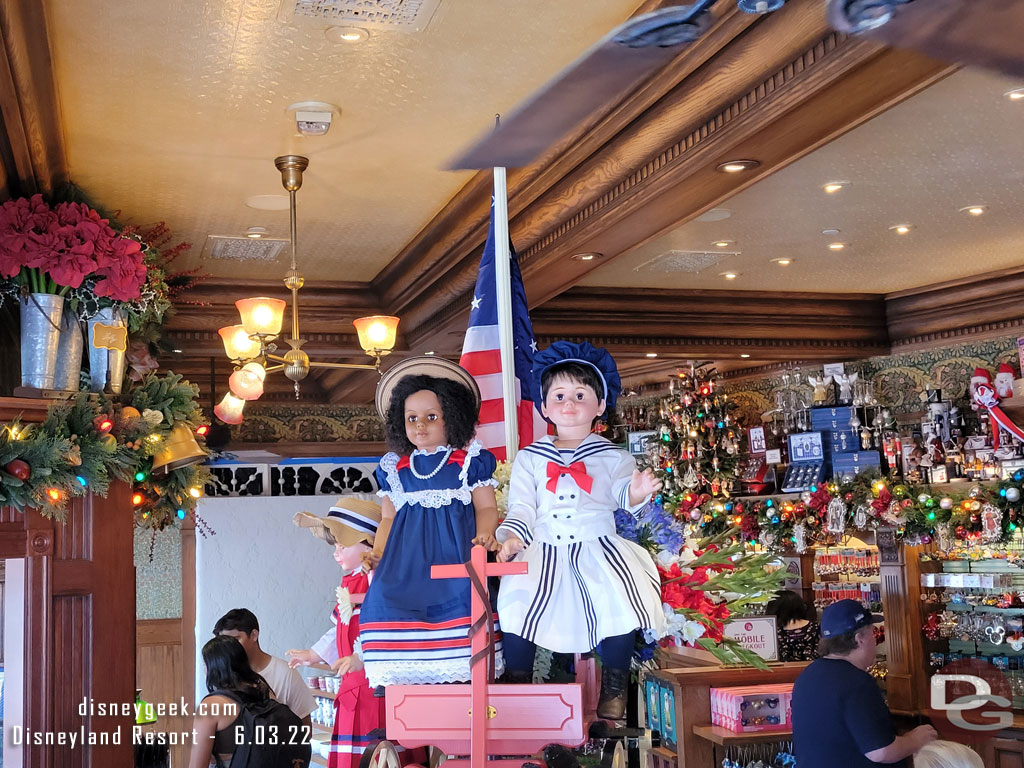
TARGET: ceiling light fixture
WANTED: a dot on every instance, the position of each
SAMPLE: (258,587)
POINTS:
(585,256)
(783,262)
(736,166)
(744,355)
(830,232)
(973,210)
(1017,94)
(831,187)
(901,229)
(836,246)
(729,275)
(255,232)
(250,345)
(346,34)
(651,354)
(722,243)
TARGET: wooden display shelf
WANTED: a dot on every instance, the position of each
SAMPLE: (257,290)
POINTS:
(726,738)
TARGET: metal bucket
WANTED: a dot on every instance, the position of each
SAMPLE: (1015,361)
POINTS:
(106,366)
(40,334)
(69,353)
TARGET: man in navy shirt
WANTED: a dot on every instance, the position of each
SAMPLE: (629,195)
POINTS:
(839,715)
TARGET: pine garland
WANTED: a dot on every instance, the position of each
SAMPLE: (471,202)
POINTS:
(87,441)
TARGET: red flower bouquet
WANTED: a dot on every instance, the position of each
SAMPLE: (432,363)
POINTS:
(52,250)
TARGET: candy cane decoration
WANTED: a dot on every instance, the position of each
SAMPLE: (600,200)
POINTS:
(985,396)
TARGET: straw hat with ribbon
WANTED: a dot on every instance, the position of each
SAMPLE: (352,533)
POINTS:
(424,365)
(349,521)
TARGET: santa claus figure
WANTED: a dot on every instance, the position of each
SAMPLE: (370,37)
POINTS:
(1004,380)
(980,376)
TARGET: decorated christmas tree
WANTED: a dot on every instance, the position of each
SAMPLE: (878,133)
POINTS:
(697,454)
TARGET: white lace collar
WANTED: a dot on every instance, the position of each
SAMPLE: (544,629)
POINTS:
(439,449)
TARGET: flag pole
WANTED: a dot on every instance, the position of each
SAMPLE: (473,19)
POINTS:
(503,279)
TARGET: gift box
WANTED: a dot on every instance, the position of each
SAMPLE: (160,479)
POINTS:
(753,708)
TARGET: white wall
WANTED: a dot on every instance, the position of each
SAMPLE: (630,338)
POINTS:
(260,560)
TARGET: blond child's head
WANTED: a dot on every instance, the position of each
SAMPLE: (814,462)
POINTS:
(947,754)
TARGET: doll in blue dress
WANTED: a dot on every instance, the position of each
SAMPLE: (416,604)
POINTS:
(438,501)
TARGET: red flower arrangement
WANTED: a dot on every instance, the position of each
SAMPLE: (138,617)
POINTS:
(52,250)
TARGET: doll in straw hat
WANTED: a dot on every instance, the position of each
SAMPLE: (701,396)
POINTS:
(438,500)
(350,527)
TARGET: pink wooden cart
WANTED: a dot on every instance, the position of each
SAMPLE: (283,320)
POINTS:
(484,721)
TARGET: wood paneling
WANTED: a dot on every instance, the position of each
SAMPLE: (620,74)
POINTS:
(160,674)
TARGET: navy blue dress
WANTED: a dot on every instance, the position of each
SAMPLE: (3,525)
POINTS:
(413,629)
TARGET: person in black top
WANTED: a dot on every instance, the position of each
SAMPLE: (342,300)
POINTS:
(797,629)
(227,669)
(839,715)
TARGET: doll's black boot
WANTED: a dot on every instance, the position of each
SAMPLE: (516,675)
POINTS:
(614,684)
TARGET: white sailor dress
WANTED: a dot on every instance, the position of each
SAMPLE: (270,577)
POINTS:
(584,582)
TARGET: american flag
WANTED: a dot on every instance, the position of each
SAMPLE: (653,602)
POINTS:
(482,358)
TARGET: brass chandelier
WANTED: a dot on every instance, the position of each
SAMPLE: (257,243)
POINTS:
(251,345)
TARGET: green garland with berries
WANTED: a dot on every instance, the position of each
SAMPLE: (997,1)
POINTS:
(88,440)
(918,514)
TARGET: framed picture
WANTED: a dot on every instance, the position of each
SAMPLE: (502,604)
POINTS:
(755,440)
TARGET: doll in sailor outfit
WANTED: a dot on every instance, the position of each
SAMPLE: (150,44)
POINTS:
(349,527)
(587,588)
(438,501)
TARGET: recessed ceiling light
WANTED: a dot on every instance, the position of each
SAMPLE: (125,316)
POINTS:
(1016,94)
(585,256)
(722,243)
(744,355)
(715,214)
(830,231)
(973,210)
(729,275)
(346,34)
(651,354)
(836,246)
(428,353)
(783,262)
(834,186)
(255,232)
(735,166)
(901,229)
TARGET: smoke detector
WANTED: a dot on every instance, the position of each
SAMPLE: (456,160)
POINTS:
(313,118)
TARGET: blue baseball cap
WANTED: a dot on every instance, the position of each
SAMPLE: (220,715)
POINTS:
(845,616)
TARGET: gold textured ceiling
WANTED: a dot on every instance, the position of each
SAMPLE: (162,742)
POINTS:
(958,143)
(174,111)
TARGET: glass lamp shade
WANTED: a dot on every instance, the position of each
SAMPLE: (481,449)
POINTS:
(377,332)
(237,344)
(247,383)
(229,410)
(261,315)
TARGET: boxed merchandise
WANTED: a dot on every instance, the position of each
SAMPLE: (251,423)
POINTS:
(752,708)
(652,695)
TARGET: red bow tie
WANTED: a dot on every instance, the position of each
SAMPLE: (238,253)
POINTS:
(577,470)
(457,457)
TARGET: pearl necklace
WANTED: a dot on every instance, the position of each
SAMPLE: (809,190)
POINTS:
(438,468)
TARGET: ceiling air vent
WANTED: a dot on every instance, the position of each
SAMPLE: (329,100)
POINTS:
(242,248)
(683,261)
(401,15)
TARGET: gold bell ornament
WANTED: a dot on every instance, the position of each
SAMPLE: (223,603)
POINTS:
(179,450)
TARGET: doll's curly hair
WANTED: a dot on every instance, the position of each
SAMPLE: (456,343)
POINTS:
(458,407)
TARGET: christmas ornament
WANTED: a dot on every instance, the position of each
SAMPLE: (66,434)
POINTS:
(152,417)
(819,383)
(946,503)
(991,523)
(20,469)
(1004,380)
(1013,494)
(860,516)
(800,538)
(74,456)
(836,512)
(944,539)
(128,412)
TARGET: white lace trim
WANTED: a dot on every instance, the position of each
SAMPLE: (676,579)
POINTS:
(419,672)
(431,498)
(420,452)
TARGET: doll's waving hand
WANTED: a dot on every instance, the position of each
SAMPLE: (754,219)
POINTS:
(642,485)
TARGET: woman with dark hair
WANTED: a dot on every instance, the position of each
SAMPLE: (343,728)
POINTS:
(796,626)
(227,670)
